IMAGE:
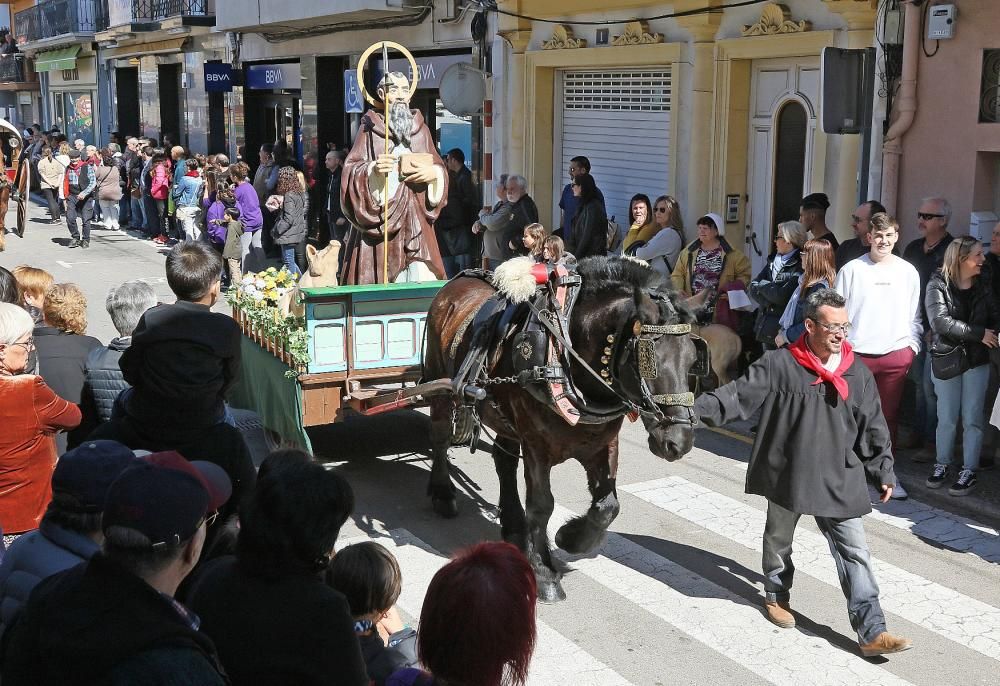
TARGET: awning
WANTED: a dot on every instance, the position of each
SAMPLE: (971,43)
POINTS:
(155,48)
(57,60)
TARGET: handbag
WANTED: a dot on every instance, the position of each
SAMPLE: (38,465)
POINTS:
(948,365)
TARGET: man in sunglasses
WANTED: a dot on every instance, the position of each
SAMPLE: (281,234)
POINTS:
(926,254)
(819,403)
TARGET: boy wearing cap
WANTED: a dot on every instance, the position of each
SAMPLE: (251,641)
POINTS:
(80,198)
(812,215)
(70,531)
(115,619)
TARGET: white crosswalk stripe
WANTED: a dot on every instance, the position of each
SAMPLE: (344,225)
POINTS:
(950,614)
(556,661)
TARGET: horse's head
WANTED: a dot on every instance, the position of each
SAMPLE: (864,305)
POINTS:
(649,352)
(655,356)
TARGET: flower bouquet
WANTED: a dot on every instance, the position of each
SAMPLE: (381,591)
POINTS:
(254,300)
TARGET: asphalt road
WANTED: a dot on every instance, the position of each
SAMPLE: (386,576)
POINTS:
(673,596)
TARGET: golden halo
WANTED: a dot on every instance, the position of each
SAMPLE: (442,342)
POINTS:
(385,68)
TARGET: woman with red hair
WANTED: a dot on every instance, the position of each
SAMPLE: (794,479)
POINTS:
(477,626)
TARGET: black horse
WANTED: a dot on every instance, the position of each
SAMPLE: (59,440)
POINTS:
(634,337)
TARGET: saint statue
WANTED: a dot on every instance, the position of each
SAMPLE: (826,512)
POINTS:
(417,188)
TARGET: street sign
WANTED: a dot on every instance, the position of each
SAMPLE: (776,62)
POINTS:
(353,102)
(218,77)
(274,76)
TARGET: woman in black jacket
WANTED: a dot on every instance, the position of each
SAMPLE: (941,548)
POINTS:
(290,228)
(964,318)
(776,282)
(590,225)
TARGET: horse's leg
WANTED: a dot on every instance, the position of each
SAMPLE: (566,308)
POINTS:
(440,488)
(506,457)
(583,534)
(540,505)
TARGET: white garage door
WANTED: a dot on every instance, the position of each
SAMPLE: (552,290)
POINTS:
(620,120)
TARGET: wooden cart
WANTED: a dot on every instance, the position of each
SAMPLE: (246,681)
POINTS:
(365,346)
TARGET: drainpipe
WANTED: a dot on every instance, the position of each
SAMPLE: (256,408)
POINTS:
(906,107)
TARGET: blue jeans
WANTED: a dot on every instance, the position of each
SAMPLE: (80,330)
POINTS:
(288,258)
(453,264)
(925,422)
(965,394)
(137,213)
(850,552)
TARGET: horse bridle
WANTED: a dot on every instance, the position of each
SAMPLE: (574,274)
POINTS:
(642,345)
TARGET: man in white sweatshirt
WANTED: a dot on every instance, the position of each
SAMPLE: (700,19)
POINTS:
(883,306)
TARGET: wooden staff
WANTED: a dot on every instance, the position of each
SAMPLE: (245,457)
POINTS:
(385,204)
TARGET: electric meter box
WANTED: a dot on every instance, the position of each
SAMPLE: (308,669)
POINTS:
(941,22)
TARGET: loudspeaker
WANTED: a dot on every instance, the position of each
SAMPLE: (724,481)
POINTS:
(847,78)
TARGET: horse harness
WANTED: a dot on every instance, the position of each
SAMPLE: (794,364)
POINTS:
(542,353)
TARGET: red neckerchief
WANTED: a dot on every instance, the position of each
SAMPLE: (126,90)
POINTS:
(193,172)
(807,358)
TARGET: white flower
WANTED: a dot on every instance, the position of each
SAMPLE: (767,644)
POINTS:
(259,283)
(258,296)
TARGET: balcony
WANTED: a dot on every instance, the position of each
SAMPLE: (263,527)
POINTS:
(54,21)
(281,15)
(151,15)
(16,69)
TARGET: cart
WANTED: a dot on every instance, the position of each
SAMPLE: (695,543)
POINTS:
(365,347)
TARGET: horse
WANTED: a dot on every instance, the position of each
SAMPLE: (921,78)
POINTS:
(623,324)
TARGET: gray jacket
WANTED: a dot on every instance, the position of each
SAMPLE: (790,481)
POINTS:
(290,227)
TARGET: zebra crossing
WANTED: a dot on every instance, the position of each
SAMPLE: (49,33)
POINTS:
(697,629)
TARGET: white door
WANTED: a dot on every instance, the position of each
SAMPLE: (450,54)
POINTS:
(620,121)
(784,100)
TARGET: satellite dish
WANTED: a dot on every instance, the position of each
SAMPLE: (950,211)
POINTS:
(463,89)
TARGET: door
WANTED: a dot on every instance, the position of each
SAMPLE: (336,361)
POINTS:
(169,85)
(127,100)
(784,100)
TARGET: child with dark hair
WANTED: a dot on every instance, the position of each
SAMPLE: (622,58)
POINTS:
(369,577)
(184,357)
(553,251)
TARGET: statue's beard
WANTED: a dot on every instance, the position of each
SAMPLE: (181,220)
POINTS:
(401,121)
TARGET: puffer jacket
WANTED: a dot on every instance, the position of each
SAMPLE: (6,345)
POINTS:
(772,295)
(35,556)
(954,322)
(290,227)
(104,379)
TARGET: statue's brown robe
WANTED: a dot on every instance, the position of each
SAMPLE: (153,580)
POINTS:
(411,219)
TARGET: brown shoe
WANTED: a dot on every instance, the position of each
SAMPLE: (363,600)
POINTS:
(780,614)
(886,643)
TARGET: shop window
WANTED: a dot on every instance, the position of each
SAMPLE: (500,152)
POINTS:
(75,114)
(71,74)
(989,92)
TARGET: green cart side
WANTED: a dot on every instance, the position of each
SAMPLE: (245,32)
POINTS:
(360,337)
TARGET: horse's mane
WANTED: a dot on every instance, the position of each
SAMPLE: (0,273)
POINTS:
(624,275)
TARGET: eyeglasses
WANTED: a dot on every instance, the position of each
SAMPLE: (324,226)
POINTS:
(209,520)
(660,209)
(927,215)
(833,328)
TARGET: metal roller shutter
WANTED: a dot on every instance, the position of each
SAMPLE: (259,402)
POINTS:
(620,120)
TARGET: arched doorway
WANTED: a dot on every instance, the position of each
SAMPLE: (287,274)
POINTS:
(789,161)
(780,162)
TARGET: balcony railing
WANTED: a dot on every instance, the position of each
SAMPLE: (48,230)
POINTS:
(15,68)
(59,17)
(146,14)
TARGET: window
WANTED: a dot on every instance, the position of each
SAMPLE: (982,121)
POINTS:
(989,92)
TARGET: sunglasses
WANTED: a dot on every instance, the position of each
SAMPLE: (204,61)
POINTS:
(660,209)
(927,215)
(210,520)
(856,219)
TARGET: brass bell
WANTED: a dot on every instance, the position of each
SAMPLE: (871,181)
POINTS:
(607,351)
(605,373)
(605,359)
(611,338)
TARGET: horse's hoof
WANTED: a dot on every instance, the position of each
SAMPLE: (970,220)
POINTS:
(550,592)
(445,507)
(578,536)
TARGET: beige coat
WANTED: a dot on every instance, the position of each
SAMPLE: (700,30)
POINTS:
(51,171)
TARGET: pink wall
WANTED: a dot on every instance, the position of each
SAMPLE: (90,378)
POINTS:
(947,151)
